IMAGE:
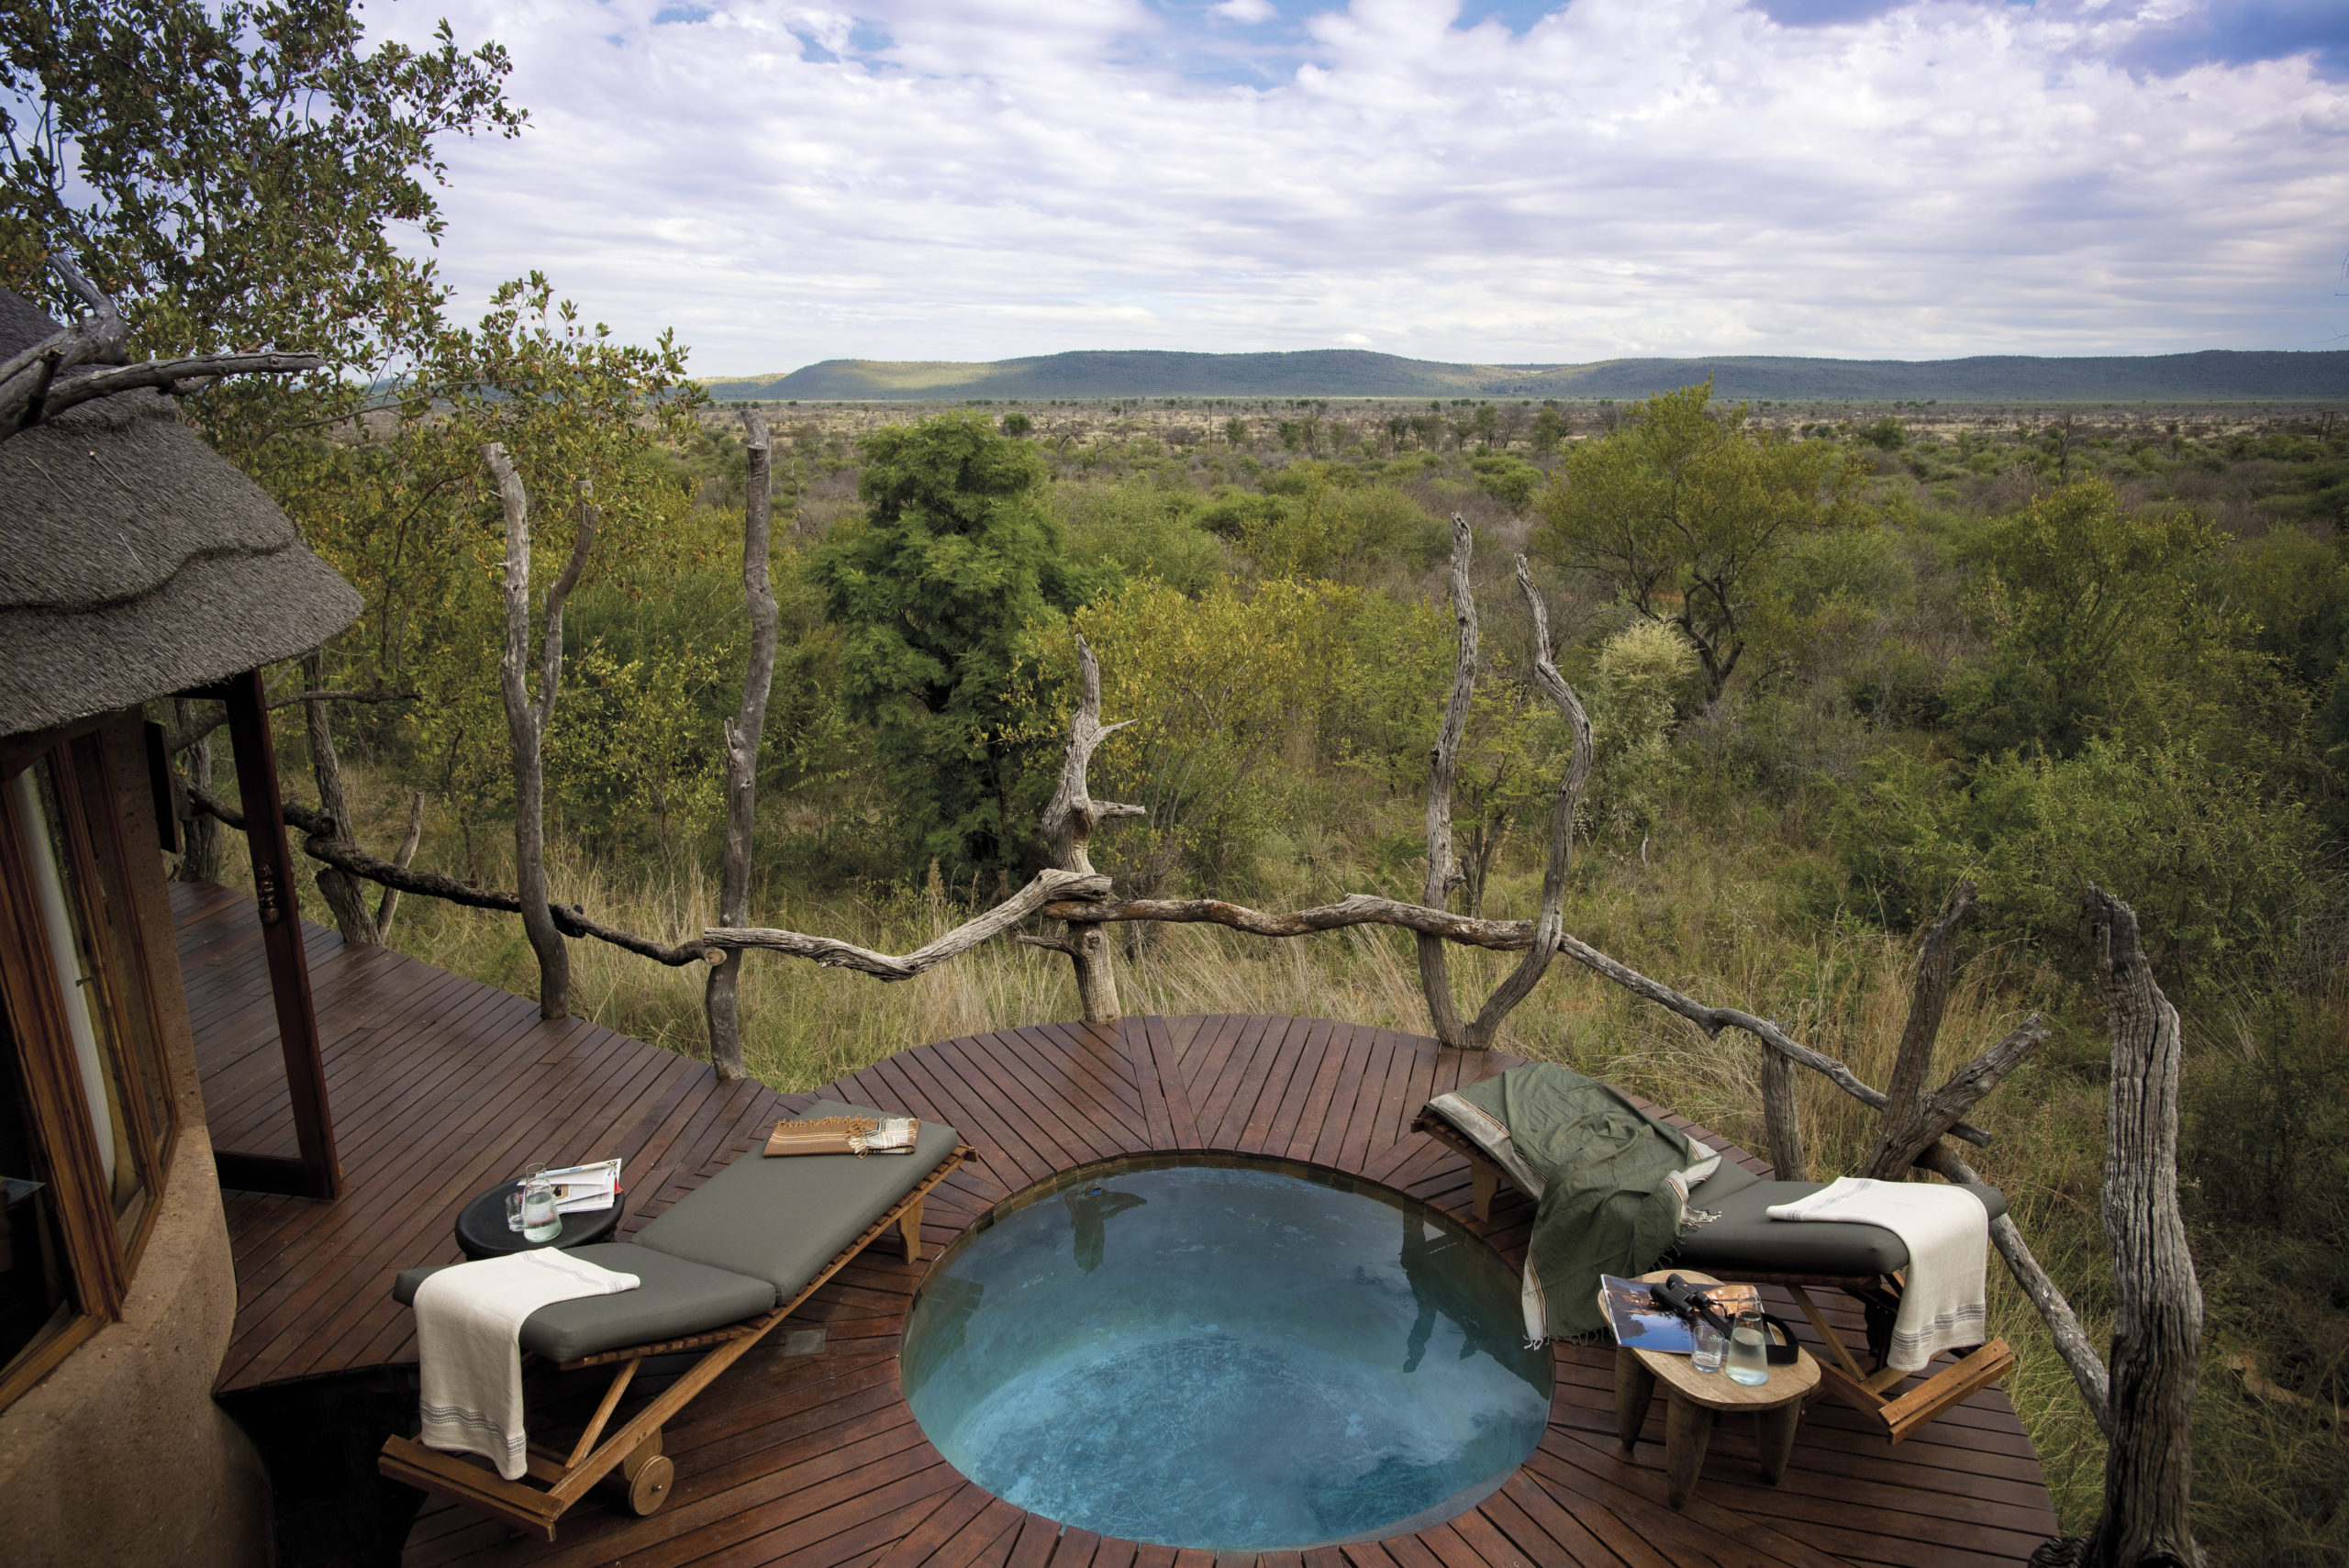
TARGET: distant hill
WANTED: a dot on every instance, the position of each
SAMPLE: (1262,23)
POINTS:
(2213,376)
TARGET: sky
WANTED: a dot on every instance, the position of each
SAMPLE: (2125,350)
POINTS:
(1487,181)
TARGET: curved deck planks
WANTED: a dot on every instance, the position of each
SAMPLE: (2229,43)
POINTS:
(442,1086)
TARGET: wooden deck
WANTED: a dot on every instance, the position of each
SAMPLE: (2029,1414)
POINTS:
(442,1087)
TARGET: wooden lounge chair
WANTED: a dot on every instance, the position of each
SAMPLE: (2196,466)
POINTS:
(720,1268)
(1865,1261)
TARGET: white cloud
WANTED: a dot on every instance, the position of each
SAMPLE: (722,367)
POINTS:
(1244,10)
(980,179)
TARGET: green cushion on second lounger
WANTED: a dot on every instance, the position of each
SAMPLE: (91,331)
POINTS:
(1746,1238)
(674,1298)
(782,1219)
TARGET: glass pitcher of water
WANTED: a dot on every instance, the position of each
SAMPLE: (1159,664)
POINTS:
(540,1222)
(1749,1349)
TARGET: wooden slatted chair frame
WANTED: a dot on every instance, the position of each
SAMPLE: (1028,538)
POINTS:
(1867,1389)
(634,1451)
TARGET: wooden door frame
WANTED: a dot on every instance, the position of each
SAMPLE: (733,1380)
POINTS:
(316,1173)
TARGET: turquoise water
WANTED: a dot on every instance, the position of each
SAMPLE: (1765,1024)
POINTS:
(1226,1356)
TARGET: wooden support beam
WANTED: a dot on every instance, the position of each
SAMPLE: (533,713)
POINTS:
(281,930)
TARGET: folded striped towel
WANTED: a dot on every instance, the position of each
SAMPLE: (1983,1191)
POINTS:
(1944,1304)
(469,1346)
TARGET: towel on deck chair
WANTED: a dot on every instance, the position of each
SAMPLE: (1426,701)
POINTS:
(469,1351)
(1610,1180)
(1943,1305)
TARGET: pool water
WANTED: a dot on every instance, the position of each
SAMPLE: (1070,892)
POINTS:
(1226,1355)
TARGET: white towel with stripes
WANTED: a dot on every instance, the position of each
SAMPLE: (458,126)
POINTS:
(1944,1304)
(469,1346)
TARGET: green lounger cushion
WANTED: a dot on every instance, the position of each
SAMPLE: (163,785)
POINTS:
(782,1219)
(673,1298)
(1746,1238)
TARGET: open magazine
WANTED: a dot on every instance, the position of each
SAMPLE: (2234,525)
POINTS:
(585,1189)
(1646,1324)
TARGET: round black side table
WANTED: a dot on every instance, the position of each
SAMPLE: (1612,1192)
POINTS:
(482,1233)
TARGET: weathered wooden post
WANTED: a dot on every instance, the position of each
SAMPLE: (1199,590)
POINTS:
(1069,820)
(526,720)
(2157,1317)
(1444,872)
(720,1003)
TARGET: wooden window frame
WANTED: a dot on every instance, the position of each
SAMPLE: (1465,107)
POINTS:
(101,1253)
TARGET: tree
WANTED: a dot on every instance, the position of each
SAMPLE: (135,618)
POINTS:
(2087,604)
(941,586)
(1549,429)
(238,177)
(1683,510)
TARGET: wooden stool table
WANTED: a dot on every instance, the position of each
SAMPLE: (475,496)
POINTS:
(1692,1399)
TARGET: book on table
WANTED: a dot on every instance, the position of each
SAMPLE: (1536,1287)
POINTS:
(858,1135)
(1643,1323)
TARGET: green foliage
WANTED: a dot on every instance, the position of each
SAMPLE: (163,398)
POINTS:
(940,588)
(1329,523)
(2096,622)
(1646,674)
(1221,691)
(1887,434)
(1506,480)
(1549,429)
(2215,864)
(234,175)
(2294,590)
(1016,423)
(1683,512)
(1147,531)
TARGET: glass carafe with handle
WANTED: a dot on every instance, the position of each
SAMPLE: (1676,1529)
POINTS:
(1749,1349)
(541,1220)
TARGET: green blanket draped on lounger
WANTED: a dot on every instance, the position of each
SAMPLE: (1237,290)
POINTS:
(1607,1203)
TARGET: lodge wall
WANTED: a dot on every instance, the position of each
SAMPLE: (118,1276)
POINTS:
(120,1454)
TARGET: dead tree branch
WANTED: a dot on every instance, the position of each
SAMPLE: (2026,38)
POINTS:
(1443,872)
(2072,1341)
(352,917)
(200,861)
(720,998)
(1564,804)
(192,730)
(321,844)
(1506,936)
(1712,1020)
(1069,820)
(1936,966)
(1782,1119)
(389,903)
(2157,1315)
(1048,885)
(525,719)
(31,391)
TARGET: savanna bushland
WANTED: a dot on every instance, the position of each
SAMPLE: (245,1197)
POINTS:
(1838,660)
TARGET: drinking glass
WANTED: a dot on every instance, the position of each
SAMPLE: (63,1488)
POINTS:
(1749,1353)
(539,1220)
(1706,1337)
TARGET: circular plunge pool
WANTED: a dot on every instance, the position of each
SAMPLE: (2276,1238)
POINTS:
(1205,1352)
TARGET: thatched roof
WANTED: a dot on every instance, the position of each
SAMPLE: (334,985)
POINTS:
(134,562)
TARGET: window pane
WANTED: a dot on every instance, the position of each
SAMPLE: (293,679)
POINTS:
(35,1295)
(80,980)
(144,1066)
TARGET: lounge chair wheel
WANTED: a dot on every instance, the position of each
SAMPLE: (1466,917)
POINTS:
(648,1489)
